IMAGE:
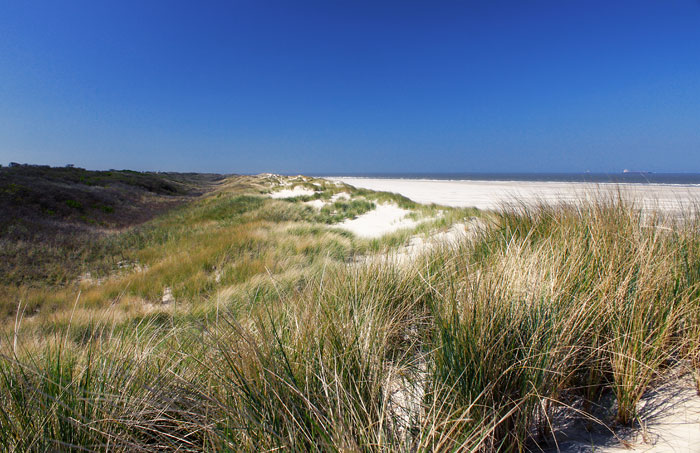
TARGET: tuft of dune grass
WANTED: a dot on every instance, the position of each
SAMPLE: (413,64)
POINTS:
(477,347)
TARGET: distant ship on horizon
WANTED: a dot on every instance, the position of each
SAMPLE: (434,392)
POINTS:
(637,172)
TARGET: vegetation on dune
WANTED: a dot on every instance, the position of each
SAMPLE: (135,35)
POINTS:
(36,194)
(341,210)
(274,342)
(227,240)
(53,220)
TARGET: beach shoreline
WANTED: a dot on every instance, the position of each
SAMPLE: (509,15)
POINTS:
(494,195)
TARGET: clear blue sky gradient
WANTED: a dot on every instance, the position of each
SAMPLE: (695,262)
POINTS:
(346,86)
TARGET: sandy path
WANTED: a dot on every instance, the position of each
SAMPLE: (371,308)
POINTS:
(493,194)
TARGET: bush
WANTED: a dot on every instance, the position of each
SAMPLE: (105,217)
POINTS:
(74,204)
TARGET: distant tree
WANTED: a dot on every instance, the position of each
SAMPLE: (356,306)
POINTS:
(70,165)
(14,164)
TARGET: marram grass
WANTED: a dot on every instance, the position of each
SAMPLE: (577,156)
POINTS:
(480,347)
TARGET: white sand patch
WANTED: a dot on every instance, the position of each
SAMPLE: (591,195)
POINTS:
(167,296)
(420,244)
(672,422)
(318,204)
(494,194)
(405,390)
(671,419)
(386,218)
(340,196)
(297,191)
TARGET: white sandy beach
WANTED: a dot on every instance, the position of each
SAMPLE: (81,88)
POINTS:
(495,194)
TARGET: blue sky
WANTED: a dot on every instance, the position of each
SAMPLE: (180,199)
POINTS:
(349,86)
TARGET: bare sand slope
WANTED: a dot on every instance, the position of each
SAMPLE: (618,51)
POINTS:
(386,218)
(494,194)
(297,191)
(422,243)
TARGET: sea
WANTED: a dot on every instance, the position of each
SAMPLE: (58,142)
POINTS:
(627,177)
